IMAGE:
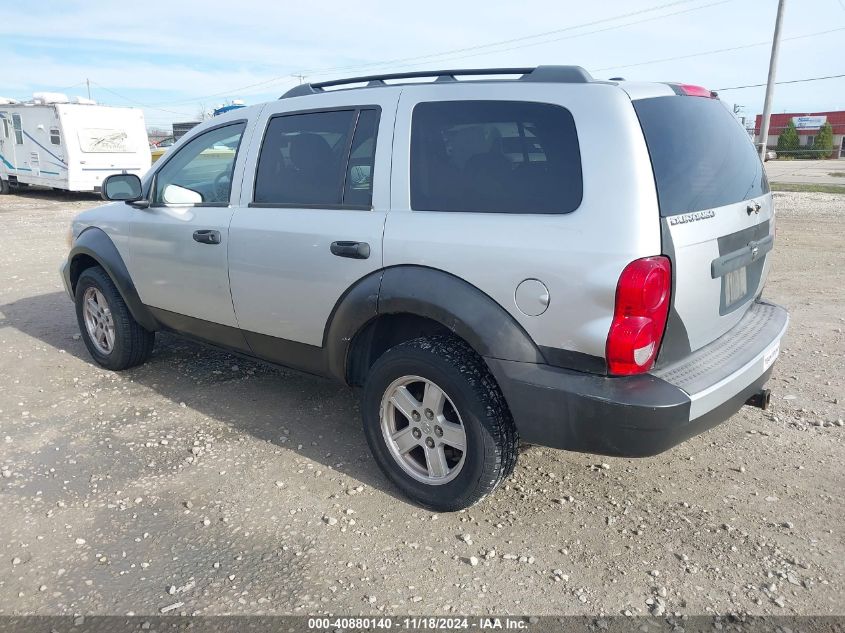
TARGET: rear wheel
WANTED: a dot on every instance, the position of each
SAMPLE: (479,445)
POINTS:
(111,334)
(437,423)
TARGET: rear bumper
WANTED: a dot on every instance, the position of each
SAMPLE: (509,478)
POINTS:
(639,416)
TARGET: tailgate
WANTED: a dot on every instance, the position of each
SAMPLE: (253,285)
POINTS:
(717,217)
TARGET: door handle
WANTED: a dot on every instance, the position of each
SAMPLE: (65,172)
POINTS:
(207,236)
(354,250)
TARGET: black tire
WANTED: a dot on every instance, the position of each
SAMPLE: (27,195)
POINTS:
(491,437)
(132,343)
(4,187)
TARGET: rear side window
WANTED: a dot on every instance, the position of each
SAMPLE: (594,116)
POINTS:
(494,157)
(318,159)
(701,156)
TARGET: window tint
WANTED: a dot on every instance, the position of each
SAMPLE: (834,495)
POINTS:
(55,137)
(201,171)
(494,156)
(701,156)
(16,123)
(304,157)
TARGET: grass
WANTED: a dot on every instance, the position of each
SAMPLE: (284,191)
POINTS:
(795,186)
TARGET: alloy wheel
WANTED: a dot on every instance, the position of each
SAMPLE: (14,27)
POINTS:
(98,320)
(423,430)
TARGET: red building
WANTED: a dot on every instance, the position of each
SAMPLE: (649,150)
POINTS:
(807,124)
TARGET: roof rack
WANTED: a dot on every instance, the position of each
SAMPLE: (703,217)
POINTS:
(548,74)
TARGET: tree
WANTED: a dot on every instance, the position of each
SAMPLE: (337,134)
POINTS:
(788,140)
(824,142)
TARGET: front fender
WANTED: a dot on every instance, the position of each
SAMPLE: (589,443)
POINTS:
(95,244)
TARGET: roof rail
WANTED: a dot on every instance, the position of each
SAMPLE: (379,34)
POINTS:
(548,74)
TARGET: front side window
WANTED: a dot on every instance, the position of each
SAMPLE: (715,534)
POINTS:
(201,172)
(318,159)
(494,157)
(5,126)
(16,123)
(55,137)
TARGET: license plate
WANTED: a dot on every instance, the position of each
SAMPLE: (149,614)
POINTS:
(736,286)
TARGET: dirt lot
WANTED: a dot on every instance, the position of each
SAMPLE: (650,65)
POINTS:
(235,488)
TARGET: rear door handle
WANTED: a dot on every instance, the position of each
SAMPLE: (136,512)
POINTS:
(207,236)
(354,250)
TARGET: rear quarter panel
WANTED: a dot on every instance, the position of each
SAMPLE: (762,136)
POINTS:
(578,256)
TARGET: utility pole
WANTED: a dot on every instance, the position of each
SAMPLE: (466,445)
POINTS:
(300,77)
(770,84)
(88,83)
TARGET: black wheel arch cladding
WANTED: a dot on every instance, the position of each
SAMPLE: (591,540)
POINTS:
(95,244)
(429,293)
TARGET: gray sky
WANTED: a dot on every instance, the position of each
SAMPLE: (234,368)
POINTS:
(175,57)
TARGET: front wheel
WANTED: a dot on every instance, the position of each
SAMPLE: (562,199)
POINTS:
(111,334)
(4,187)
(437,424)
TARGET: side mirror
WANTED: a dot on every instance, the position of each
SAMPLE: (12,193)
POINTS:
(122,188)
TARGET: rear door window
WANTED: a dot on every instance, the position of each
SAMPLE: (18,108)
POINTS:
(318,159)
(701,156)
(494,157)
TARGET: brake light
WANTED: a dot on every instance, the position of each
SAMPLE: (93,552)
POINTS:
(639,317)
(694,91)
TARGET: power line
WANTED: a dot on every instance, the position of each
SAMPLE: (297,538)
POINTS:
(569,37)
(449,54)
(57,90)
(719,50)
(133,101)
(523,38)
(792,81)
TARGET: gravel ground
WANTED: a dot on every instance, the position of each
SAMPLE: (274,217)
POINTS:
(225,486)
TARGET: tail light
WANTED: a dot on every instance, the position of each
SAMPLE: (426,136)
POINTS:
(639,318)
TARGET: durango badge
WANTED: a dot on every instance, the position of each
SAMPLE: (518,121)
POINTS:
(691,217)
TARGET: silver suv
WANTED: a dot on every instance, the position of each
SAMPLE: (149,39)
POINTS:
(530,255)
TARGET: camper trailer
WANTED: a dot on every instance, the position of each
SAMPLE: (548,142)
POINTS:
(53,142)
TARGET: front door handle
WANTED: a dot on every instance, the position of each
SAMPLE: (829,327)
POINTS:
(207,236)
(354,250)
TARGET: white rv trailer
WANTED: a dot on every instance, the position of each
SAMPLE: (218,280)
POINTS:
(52,142)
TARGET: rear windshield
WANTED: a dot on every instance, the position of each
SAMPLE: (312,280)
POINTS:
(702,158)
